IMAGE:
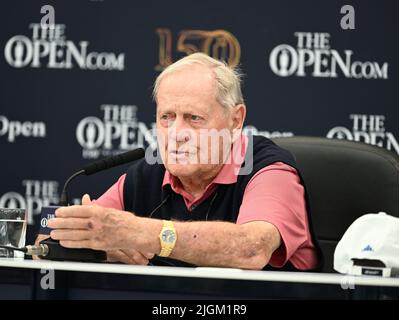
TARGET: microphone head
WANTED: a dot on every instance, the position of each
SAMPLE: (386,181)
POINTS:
(114,161)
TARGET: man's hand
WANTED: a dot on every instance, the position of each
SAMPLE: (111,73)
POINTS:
(92,226)
(128,256)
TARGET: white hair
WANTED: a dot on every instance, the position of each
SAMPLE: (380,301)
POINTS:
(228,80)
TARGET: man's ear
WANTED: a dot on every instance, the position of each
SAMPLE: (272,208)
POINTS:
(238,114)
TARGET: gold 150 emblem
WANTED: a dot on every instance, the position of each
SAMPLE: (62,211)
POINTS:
(219,44)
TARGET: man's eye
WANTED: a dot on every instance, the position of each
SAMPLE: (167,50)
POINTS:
(195,118)
(165,116)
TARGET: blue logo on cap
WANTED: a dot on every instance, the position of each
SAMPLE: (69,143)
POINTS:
(368,248)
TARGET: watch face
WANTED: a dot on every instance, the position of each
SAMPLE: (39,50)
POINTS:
(168,236)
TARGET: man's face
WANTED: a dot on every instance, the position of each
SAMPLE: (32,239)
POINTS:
(188,114)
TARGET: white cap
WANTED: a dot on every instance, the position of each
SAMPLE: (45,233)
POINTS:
(370,237)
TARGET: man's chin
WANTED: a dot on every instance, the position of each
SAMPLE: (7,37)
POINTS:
(182,170)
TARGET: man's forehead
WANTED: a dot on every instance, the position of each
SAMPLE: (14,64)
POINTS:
(188,79)
(188,90)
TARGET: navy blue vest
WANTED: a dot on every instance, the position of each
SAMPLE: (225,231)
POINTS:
(143,193)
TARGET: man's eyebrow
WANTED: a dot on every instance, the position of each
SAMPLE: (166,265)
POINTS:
(185,109)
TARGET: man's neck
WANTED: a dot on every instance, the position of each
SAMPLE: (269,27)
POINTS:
(196,185)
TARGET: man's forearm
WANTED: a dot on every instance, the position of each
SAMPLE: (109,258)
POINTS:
(214,243)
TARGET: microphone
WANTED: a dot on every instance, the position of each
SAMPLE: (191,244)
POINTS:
(113,161)
(101,165)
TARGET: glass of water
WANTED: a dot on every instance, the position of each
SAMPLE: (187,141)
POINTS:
(12,231)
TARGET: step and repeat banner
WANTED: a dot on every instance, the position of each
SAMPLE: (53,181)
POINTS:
(76,78)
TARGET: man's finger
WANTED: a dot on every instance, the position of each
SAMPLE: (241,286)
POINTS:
(68,223)
(39,238)
(139,258)
(75,212)
(136,256)
(127,256)
(76,244)
(119,256)
(112,255)
(86,201)
(148,255)
(75,235)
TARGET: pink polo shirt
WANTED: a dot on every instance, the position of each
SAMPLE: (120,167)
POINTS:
(274,194)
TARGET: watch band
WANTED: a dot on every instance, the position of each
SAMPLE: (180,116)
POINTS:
(167,246)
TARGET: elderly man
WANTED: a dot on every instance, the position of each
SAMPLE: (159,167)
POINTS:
(193,209)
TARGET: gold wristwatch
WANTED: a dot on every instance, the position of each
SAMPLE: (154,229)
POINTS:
(168,238)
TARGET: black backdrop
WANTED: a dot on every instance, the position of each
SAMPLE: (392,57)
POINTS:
(85,92)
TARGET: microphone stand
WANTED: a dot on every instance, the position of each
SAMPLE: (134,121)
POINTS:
(64,195)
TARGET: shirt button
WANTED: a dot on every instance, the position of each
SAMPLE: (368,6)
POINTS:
(193,207)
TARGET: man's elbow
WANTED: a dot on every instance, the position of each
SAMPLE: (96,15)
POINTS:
(262,238)
(257,261)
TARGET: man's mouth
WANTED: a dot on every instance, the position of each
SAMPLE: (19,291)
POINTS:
(180,153)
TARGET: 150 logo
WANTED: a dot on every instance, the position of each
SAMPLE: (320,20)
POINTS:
(219,44)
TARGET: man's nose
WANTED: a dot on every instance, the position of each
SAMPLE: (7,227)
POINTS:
(180,131)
